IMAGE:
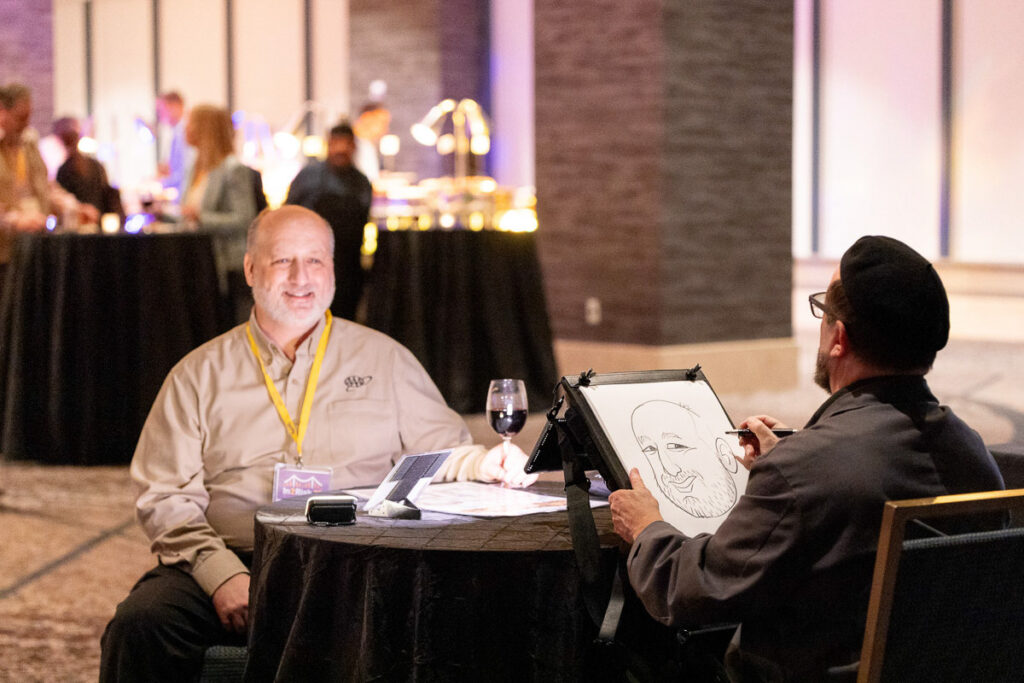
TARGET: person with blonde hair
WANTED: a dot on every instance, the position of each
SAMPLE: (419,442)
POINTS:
(218,197)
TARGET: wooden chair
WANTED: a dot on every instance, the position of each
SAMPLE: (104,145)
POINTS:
(946,608)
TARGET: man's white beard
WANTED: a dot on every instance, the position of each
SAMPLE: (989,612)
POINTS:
(277,308)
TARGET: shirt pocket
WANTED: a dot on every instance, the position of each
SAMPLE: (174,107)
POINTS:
(365,440)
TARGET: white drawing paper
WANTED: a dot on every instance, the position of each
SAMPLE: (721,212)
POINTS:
(674,433)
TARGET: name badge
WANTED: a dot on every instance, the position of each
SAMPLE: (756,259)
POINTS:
(292,481)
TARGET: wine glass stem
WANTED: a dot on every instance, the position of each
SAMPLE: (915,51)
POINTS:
(505,441)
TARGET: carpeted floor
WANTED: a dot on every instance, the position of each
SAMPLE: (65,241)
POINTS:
(70,550)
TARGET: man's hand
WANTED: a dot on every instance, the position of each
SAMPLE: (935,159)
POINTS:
(231,600)
(88,214)
(190,213)
(762,441)
(506,466)
(633,509)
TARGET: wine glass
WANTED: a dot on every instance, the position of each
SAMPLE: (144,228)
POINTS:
(506,408)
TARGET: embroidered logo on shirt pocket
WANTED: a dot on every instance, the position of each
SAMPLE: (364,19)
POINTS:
(357,381)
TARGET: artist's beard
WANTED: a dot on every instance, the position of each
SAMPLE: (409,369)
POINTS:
(821,374)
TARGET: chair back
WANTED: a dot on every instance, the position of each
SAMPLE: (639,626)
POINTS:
(949,607)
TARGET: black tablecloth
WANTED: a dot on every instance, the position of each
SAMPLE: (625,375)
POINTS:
(440,599)
(470,306)
(90,326)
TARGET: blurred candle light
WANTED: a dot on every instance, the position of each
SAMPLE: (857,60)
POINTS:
(110,223)
(446,220)
(369,239)
(518,220)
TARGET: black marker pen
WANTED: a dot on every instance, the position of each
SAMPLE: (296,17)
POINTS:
(747,432)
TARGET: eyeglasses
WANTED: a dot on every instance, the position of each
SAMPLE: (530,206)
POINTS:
(818,307)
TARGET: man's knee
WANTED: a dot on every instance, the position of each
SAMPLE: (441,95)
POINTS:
(139,618)
(160,630)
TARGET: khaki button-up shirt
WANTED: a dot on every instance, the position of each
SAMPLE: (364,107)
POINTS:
(205,459)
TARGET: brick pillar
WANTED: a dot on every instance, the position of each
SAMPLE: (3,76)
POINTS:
(664,136)
(26,53)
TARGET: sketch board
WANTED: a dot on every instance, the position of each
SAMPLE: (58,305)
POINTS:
(671,426)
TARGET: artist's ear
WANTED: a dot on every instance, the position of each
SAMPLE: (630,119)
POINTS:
(839,341)
(725,456)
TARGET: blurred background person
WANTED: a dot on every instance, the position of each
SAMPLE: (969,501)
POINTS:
(341,194)
(372,124)
(26,196)
(24,190)
(170,111)
(219,198)
(83,176)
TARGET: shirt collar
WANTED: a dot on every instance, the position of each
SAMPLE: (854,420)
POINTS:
(272,353)
(894,389)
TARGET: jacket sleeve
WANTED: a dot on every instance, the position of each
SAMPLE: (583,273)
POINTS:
(715,578)
(229,203)
(300,191)
(167,470)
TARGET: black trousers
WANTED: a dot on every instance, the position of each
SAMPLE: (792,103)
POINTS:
(161,630)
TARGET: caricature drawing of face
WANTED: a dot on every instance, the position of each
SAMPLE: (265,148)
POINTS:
(692,468)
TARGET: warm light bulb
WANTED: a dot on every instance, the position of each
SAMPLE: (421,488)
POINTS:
(389,145)
(446,144)
(313,146)
(423,134)
(87,145)
(287,144)
(480,144)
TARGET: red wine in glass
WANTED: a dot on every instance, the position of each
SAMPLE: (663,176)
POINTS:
(506,408)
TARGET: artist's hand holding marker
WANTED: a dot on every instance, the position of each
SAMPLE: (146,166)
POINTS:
(633,509)
(762,439)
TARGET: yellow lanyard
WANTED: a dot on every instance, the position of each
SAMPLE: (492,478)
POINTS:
(297,433)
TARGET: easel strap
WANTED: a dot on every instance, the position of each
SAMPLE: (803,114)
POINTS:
(605,613)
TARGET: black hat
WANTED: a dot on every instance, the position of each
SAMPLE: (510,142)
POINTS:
(897,298)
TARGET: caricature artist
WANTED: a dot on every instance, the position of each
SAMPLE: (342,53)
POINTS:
(792,562)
